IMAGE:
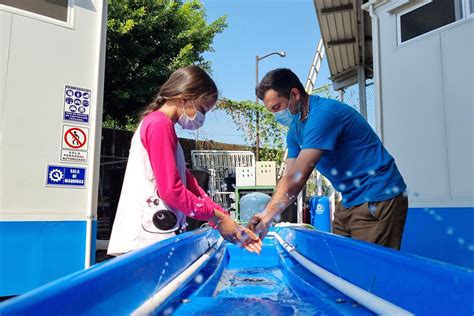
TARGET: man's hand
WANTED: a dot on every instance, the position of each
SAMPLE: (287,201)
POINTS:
(260,224)
(238,235)
(253,221)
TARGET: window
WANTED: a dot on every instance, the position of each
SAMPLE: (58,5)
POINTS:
(472,6)
(429,17)
(56,9)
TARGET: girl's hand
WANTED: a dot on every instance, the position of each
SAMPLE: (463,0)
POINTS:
(237,234)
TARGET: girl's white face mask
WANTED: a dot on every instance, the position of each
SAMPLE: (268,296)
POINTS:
(189,123)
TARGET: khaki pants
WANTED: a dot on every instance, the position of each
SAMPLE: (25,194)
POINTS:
(381,222)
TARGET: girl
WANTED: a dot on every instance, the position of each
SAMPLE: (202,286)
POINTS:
(158,191)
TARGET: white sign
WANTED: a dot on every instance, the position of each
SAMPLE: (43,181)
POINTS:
(74,156)
(75,141)
(77,104)
(75,137)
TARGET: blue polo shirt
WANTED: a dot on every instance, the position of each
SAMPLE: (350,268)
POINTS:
(354,159)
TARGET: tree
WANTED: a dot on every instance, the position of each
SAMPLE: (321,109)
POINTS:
(324,91)
(272,134)
(146,41)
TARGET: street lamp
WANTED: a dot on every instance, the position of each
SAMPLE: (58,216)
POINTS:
(257,59)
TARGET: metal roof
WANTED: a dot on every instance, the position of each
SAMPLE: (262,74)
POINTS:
(347,39)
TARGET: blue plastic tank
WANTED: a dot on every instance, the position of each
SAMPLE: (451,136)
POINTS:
(252,203)
(320,213)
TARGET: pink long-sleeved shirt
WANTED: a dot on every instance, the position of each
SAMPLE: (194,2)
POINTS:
(159,138)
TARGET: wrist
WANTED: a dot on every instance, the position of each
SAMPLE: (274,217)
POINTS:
(266,218)
(218,217)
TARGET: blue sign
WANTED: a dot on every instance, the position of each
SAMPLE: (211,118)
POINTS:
(75,97)
(66,176)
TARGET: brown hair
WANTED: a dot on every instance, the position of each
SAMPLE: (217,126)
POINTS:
(190,82)
(282,80)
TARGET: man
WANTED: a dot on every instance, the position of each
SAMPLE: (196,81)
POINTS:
(333,137)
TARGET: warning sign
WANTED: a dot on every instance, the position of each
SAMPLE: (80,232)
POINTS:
(75,137)
(77,104)
(75,142)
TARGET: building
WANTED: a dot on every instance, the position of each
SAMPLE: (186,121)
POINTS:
(52,61)
(420,56)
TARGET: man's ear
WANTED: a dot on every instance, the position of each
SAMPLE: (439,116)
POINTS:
(292,93)
(296,94)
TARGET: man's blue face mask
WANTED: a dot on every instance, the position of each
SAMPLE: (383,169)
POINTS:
(284,117)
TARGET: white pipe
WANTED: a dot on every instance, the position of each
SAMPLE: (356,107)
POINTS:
(150,306)
(368,300)
(283,164)
(95,134)
(333,205)
(299,207)
(88,248)
(369,6)
(319,182)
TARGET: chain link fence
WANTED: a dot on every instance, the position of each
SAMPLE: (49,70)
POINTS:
(218,128)
(221,128)
(220,132)
(351,97)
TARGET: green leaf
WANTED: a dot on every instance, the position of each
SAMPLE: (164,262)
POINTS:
(146,41)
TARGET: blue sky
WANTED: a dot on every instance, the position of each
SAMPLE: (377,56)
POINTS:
(257,27)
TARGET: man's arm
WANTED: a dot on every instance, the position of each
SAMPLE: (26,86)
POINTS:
(288,187)
(289,164)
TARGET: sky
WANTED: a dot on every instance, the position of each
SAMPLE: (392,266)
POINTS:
(257,27)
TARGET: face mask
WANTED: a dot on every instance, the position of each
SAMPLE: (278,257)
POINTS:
(191,123)
(284,117)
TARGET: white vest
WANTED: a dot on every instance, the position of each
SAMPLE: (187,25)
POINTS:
(133,227)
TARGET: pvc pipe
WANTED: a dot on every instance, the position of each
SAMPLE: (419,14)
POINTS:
(299,207)
(319,182)
(368,300)
(333,205)
(95,134)
(369,6)
(150,306)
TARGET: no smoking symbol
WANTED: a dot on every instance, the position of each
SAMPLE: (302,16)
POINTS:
(75,138)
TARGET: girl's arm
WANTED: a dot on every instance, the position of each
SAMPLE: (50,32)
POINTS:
(195,188)
(159,138)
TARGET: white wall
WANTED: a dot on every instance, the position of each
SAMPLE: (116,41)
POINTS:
(427,103)
(38,57)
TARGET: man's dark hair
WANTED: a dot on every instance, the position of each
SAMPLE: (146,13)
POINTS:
(282,80)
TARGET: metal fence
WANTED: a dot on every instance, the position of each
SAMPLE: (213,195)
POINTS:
(219,132)
(221,164)
(219,127)
(351,97)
